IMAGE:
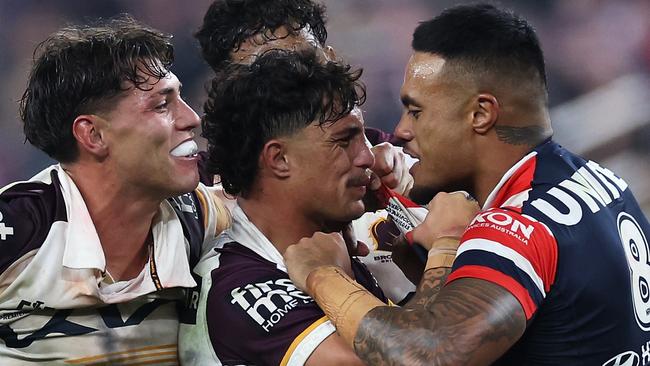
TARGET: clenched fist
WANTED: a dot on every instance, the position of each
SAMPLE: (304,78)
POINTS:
(310,253)
(449,215)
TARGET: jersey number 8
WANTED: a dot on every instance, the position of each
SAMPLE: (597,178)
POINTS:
(637,252)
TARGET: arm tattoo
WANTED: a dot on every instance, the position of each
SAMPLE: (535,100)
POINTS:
(429,287)
(471,321)
(527,135)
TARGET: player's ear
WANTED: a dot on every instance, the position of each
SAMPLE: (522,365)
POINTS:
(485,113)
(87,129)
(330,53)
(274,158)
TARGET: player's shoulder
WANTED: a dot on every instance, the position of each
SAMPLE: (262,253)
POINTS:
(507,224)
(238,265)
(28,211)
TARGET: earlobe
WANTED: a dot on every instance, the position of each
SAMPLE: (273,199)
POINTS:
(330,53)
(485,113)
(87,132)
(274,158)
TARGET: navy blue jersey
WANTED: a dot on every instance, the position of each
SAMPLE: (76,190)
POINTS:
(567,238)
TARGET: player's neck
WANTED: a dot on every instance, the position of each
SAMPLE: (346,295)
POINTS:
(279,221)
(492,166)
(498,151)
(122,221)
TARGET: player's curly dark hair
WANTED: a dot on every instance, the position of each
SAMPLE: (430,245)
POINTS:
(81,69)
(228,23)
(279,94)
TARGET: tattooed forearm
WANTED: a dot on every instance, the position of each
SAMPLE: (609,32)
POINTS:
(472,322)
(527,135)
(429,287)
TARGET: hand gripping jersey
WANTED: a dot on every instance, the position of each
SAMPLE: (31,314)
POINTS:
(58,306)
(377,231)
(247,311)
(567,238)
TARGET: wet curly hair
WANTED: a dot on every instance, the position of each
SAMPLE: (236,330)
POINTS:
(279,94)
(228,23)
(81,69)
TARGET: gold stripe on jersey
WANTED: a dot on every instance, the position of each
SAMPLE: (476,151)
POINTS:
(152,268)
(300,338)
(223,218)
(165,354)
(204,207)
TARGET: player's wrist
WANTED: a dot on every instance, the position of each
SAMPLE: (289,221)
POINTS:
(442,252)
(343,300)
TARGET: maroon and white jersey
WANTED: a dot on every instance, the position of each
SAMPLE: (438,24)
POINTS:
(58,305)
(377,231)
(567,238)
(248,312)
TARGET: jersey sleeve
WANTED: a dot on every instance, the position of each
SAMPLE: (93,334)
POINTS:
(27,212)
(257,316)
(512,250)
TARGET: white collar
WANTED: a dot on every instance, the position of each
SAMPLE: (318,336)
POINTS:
(511,172)
(247,234)
(84,250)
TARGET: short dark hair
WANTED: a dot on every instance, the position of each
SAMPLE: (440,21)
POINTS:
(483,38)
(279,94)
(80,69)
(228,23)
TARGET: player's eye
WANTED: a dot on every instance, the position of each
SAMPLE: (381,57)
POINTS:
(415,113)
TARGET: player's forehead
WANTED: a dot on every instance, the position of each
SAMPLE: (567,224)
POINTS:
(282,38)
(423,66)
(423,71)
(149,90)
(351,121)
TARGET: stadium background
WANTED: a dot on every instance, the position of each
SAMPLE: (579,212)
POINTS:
(597,53)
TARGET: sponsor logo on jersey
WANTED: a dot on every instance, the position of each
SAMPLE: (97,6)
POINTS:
(503,222)
(4,229)
(628,358)
(185,203)
(66,322)
(592,184)
(268,302)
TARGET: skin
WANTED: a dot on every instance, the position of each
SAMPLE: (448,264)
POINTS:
(332,160)
(121,188)
(280,38)
(338,181)
(390,166)
(467,131)
(311,181)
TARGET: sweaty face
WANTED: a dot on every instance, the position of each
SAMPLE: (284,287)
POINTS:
(330,169)
(151,140)
(281,38)
(436,125)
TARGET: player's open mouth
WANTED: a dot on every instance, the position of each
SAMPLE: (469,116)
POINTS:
(186,149)
(410,153)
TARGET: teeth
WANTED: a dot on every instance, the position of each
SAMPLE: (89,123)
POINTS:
(187,148)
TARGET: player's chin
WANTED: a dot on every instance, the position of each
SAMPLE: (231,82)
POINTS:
(354,210)
(422,194)
(185,183)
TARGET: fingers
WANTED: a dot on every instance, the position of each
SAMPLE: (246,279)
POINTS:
(391,168)
(449,215)
(310,253)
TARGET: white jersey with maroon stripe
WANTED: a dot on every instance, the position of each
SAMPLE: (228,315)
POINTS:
(57,303)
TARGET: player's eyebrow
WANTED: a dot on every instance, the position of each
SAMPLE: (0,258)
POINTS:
(407,100)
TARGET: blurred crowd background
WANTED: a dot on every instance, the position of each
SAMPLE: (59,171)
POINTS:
(597,53)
